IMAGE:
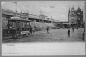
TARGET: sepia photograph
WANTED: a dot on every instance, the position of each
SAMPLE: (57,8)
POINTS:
(26,22)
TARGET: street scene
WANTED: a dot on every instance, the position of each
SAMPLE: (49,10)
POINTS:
(54,35)
(42,22)
(43,28)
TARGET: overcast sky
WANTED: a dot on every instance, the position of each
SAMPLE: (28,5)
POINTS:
(57,9)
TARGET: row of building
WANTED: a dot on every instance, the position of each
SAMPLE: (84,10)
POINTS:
(75,17)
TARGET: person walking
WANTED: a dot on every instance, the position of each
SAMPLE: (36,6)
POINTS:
(30,30)
(47,29)
(83,34)
(73,29)
(68,32)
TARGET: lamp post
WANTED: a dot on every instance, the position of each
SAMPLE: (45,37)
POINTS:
(15,2)
(16,5)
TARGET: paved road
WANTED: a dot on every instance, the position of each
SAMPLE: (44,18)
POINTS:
(53,35)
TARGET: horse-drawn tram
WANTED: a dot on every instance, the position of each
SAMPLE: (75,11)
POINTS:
(17,27)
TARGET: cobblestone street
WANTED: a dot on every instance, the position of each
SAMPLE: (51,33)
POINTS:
(53,35)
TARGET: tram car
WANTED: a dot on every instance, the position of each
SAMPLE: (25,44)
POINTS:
(16,27)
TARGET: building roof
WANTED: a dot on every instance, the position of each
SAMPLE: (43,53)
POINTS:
(8,12)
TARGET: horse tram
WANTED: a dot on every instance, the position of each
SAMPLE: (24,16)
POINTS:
(17,28)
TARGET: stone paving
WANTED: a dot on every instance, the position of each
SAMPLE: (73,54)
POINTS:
(53,35)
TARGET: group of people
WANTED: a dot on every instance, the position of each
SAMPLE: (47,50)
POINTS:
(31,29)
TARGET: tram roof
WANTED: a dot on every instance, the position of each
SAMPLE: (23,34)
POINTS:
(18,19)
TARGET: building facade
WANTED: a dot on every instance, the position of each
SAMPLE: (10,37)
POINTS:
(75,17)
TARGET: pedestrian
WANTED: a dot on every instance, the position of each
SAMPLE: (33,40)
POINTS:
(30,30)
(47,29)
(83,34)
(68,32)
(73,29)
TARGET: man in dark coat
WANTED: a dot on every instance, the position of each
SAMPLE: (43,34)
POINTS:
(47,29)
(68,32)
(30,30)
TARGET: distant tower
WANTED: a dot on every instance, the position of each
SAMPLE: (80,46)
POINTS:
(72,9)
(42,16)
(72,16)
(79,9)
(79,17)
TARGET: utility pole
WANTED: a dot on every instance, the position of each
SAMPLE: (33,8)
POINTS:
(15,2)
(51,17)
(69,15)
(40,12)
(15,5)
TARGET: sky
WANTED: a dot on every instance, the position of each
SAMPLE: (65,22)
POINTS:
(57,9)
